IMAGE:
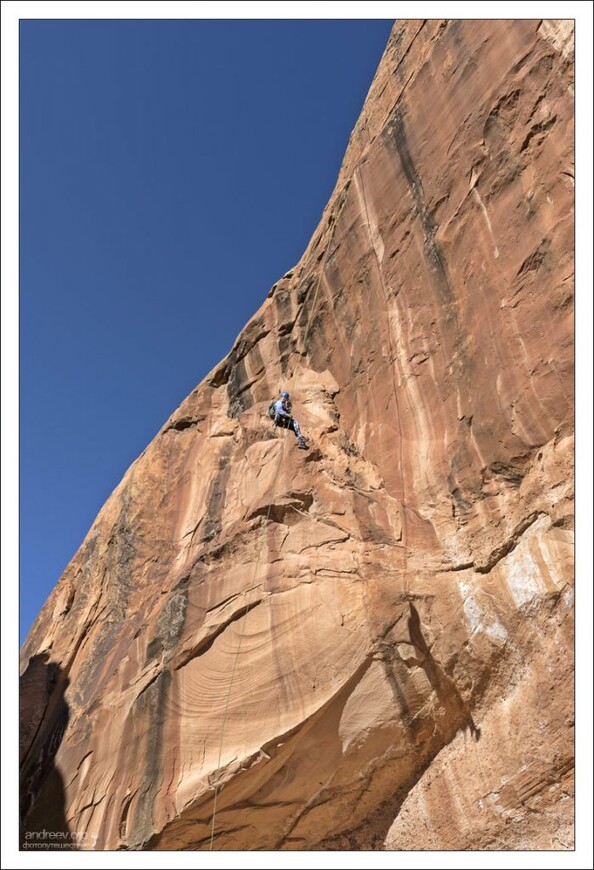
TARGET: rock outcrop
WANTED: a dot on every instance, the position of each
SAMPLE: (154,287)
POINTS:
(368,644)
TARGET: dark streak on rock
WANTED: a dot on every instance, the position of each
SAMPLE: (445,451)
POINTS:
(537,258)
(170,622)
(396,134)
(239,397)
(119,578)
(151,708)
(216,497)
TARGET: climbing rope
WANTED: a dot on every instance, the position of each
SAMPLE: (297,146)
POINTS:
(233,669)
(267,518)
(260,540)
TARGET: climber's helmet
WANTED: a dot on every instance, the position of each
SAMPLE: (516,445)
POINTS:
(284,395)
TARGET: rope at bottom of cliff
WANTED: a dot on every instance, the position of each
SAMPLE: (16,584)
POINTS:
(259,550)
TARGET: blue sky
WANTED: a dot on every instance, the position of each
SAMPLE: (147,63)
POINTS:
(170,173)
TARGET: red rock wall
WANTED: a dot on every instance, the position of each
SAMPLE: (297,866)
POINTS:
(367,644)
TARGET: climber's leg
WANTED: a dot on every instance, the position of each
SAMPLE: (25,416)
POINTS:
(301,441)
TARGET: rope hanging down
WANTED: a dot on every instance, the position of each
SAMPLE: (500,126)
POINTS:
(260,540)
(267,518)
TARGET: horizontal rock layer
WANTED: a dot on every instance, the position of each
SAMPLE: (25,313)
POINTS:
(367,644)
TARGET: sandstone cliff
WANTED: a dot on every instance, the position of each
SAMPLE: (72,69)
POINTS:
(368,644)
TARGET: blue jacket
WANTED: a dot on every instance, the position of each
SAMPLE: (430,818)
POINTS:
(278,407)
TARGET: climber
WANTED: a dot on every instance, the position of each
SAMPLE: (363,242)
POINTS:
(283,418)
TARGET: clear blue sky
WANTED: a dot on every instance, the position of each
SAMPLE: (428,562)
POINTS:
(170,173)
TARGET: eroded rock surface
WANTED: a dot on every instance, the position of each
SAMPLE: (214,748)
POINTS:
(367,644)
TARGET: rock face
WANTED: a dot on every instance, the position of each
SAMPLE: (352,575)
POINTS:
(368,644)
